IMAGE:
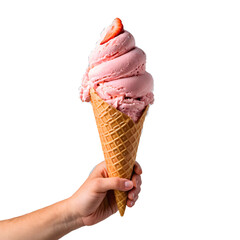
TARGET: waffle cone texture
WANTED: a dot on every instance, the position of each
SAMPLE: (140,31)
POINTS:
(120,137)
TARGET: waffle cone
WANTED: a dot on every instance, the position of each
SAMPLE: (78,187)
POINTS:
(119,136)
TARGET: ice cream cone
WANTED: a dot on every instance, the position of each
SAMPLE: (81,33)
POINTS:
(119,136)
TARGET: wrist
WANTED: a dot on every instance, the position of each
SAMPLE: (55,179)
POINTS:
(72,219)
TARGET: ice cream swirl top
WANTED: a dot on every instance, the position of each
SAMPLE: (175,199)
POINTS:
(117,73)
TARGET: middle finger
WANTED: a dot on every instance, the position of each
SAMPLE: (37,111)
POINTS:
(136,180)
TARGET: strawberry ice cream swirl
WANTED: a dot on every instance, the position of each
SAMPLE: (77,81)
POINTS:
(117,73)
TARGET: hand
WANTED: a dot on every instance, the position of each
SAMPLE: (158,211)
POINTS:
(95,201)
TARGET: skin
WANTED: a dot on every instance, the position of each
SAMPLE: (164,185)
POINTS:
(93,202)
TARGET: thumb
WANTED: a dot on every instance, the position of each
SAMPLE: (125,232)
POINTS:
(114,183)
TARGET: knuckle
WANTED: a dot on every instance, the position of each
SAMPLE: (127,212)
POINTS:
(137,168)
(117,183)
(137,181)
(97,182)
(137,178)
(137,164)
(140,181)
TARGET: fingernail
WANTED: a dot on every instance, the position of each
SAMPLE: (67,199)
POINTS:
(128,184)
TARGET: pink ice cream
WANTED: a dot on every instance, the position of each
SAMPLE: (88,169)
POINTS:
(117,73)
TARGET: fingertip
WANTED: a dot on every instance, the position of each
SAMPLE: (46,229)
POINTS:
(130,203)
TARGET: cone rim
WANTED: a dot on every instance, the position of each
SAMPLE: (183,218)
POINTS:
(92,91)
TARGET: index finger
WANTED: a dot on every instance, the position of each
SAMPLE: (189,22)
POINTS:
(137,168)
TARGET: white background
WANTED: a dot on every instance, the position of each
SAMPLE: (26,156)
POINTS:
(190,146)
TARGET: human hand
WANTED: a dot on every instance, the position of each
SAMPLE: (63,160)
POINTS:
(94,201)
